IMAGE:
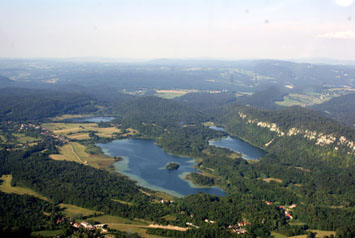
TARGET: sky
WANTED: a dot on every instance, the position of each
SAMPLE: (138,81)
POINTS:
(150,29)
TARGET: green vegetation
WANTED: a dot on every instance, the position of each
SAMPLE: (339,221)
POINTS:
(6,187)
(200,179)
(318,178)
(172,166)
(21,214)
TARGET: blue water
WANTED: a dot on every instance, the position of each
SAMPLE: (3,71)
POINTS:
(89,119)
(144,162)
(248,151)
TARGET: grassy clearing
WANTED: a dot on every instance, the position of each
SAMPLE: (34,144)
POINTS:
(67,116)
(277,235)
(276,180)
(296,223)
(72,210)
(310,98)
(169,94)
(21,138)
(76,152)
(7,188)
(80,131)
(133,229)
(320,234)
(2,138)
(48,233)
(107,219)
(124,224)
(123,202)
(169,217)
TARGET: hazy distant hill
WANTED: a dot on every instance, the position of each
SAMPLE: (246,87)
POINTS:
(29,104)
(206,101)
(203,74)
(4,81)
(339,108)
(264,98)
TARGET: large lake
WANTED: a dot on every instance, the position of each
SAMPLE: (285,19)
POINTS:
(144,162)
(248,151)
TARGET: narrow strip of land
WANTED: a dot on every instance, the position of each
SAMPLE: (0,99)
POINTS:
(76,155)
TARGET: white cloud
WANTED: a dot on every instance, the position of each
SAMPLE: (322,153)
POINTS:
(342,35)
(344,3)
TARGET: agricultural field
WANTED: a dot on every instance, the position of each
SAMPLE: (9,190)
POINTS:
(311,98)
(54,233)
(320,234)
(277,235)
(75,211)
(276,180)
(76,152)
(170,94)
(6,187)
(2,138)
(69,116)
(80,131)
(22,138)
(108,219)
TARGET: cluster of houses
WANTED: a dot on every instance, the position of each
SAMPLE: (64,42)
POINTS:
(287,210)
(27,126)
(239,228)
(90,227)
(163,201)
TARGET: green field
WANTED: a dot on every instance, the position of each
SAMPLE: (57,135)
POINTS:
(170,94)
(277,235)
(311,98)
(69,116)
(21,138)
(48,233)
(80,131)
(76,152)
(72,210)
(107,219)
(6,187)
(320,234)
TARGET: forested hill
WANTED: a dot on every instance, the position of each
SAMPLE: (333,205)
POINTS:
(340,108)
(158,111)
(29,104)
(304,136)
(265,98)
(206,101)
(4,81)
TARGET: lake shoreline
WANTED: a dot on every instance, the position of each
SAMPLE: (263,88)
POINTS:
(145,154)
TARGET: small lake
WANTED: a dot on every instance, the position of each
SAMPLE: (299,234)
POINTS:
(248,151)
(89,119)
(144,162)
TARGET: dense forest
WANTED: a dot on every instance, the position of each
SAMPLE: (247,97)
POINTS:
(340,108)
(18,104)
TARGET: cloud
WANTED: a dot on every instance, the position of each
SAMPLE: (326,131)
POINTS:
(341,35)
(344,3)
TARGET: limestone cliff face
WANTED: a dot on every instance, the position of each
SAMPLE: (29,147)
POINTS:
(319,138)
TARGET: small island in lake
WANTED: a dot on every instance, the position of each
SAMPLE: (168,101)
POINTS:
(172,166)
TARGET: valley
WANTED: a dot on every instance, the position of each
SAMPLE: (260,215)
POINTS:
(248,167)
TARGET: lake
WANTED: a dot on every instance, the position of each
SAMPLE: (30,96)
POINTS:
(248,151)
(144,162)
(89,119)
